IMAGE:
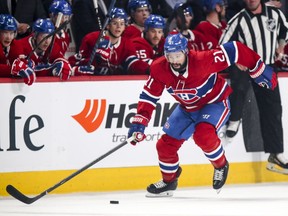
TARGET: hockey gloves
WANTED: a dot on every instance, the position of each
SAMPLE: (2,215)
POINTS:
(20,67)
(61,68)
(264,75)
(103,50)
(83,70)
(137,128)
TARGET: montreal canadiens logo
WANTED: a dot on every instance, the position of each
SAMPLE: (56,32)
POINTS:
(187,95)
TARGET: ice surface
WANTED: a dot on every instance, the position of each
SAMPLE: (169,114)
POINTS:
(234,200)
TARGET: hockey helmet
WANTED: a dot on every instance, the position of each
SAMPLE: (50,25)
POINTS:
(187,9)
(60,6)
(210,5)
(7,22)
(154,21)
(118,13)
(134,4)
(175,43)
(43,26)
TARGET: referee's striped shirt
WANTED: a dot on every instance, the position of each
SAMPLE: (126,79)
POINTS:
(260,32)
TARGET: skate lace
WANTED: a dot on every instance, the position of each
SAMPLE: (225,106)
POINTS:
(218,174)
(160,184)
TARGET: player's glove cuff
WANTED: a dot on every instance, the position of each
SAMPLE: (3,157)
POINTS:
(139,119)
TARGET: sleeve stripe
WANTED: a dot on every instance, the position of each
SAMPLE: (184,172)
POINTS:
(230,51)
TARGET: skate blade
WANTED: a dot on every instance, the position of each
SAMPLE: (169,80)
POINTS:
(275,168)
(163,194)
(218,190)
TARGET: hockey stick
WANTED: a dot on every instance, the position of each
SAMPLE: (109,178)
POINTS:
(93,53)
(14,192)
(97,13)
(57,24)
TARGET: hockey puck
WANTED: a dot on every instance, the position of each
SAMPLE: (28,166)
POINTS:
(114,202)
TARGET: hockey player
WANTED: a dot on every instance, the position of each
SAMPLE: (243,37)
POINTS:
(151,45)
(61,9)
(139,11)
(46,63)
(215,23)
(12,62)
(115,54)
(183,15)
(191,77)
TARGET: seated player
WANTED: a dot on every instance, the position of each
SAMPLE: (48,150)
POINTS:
(12,60)
(139,11)
(183,15)
(36,47)
(215,23)
(115,55)
(60,11)
(151,45)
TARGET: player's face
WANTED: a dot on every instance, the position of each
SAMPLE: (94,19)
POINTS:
(140,15)
(188,20)
(63,19)
(6,37)
(252,5)
(176,59)
(45,44)
(116,27)
(154,35)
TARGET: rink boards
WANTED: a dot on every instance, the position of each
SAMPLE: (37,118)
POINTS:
(51,129)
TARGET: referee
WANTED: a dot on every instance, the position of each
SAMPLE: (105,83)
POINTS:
(264,29)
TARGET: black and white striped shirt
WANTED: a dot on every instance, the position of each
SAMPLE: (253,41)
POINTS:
(261,32)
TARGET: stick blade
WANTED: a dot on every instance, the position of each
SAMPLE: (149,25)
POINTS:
(18,195)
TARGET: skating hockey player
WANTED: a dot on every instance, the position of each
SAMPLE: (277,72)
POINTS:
(191,77)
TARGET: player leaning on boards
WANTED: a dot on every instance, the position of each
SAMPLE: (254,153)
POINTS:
(192,78)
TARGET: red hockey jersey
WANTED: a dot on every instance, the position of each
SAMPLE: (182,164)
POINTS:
(6,61)
(200,84)
(63,40)
(212,32)
(122,57)
(196,40)
(283,63)
(41,59)
(132,31)
(145,51)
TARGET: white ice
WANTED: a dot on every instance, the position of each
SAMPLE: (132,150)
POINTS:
(234,200)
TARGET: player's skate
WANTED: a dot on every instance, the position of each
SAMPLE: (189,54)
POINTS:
(162,188)
(232,129)
(220,176)
(277,163)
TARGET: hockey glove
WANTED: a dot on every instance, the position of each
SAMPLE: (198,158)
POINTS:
(137,128)
(22,69)
(61,68)
(103,50)
(264,75)
(83,70)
